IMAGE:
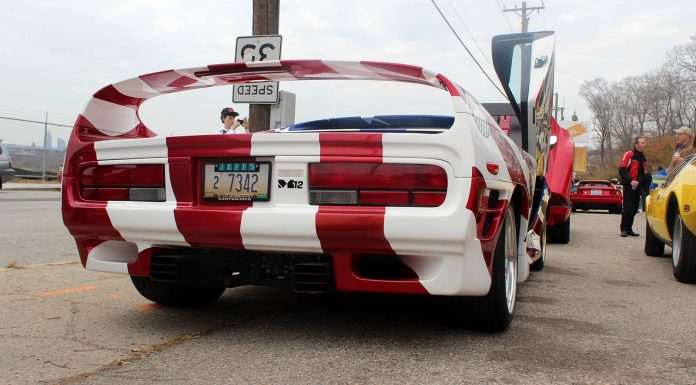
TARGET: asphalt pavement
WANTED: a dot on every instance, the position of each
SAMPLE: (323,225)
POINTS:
(16,186)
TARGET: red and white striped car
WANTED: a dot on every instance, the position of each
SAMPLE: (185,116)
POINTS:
(438,210)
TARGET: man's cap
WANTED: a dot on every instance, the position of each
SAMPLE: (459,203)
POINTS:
(229,111)
(684,130)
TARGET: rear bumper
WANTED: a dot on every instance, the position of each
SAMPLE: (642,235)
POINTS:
(438,245)
(590,202)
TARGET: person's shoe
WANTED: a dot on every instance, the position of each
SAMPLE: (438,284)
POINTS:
(633,233)
(624,233)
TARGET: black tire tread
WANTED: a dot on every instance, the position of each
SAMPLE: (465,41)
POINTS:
(490,311)
(178,293)
(560,233)
(654,247)
(685,271)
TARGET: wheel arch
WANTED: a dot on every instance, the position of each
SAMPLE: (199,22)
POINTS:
(670,213)
(520,204)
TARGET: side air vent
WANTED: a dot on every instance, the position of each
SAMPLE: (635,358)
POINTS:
(314,278)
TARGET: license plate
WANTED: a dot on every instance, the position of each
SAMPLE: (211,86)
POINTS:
(596,192)
(236,181)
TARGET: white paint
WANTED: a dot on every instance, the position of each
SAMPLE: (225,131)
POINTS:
(112,257)
(143,149)
(110,118)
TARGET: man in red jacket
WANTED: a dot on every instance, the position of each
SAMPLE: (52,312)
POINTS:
(632,169)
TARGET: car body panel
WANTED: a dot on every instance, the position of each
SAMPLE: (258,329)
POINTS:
(679,189)
(559,175)
(6,171)
(120,236)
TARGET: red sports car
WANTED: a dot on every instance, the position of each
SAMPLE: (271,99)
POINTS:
(596,195)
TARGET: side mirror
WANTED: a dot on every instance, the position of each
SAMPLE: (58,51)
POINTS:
(553,139)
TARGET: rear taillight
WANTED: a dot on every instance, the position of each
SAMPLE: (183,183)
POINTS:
(377,184)
(124,182)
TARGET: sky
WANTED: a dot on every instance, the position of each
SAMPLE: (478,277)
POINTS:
(55,54)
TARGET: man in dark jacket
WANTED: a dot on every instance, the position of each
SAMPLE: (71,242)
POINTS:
(632,169)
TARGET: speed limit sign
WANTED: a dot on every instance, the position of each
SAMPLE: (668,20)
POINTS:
(257,48)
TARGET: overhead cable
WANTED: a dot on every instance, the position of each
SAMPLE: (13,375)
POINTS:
(467,49)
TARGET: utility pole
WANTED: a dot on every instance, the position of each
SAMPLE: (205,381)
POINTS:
(43,167)
(265,22)
(523,13)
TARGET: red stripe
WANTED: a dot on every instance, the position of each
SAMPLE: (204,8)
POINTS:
(511,162)
(205,224)
(111,94)
(141,267)
(182,82)
(451,87)
(352,145)
(347,232)
(166,80)
(393,68)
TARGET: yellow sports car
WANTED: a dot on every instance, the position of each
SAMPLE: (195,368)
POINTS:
(671,220)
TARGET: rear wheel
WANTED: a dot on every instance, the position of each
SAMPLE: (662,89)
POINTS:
(683,252)
(494,311)
(560,233)
(178,293)
(543,237)
(654,247)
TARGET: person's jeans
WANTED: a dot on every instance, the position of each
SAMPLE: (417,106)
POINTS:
(631,200)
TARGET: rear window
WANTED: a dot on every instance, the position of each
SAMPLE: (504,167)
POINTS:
(594,184)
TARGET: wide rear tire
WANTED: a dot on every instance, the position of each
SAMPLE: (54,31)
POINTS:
(683,252)
(178,293)
(560,233)
(495,310)
(654,247)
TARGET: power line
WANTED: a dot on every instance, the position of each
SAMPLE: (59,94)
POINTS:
(467,49)
(504,17)
(469,32)
(34,121)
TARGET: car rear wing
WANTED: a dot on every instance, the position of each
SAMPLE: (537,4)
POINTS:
(112,113)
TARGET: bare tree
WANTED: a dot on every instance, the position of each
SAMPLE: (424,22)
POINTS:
(653,103)
(599,99)
(683,58)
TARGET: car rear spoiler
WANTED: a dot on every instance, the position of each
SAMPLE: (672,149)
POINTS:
(112,113)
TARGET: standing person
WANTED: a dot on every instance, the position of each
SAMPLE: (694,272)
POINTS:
(230,123)
(684,138)
(632,170)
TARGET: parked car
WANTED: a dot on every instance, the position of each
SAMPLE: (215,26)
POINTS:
(6,170)
(671,220)
(596,195)
(451,206)
(559,175)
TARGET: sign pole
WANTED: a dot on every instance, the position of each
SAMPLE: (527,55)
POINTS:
(265,22)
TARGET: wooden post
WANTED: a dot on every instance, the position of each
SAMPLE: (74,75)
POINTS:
(265,22)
